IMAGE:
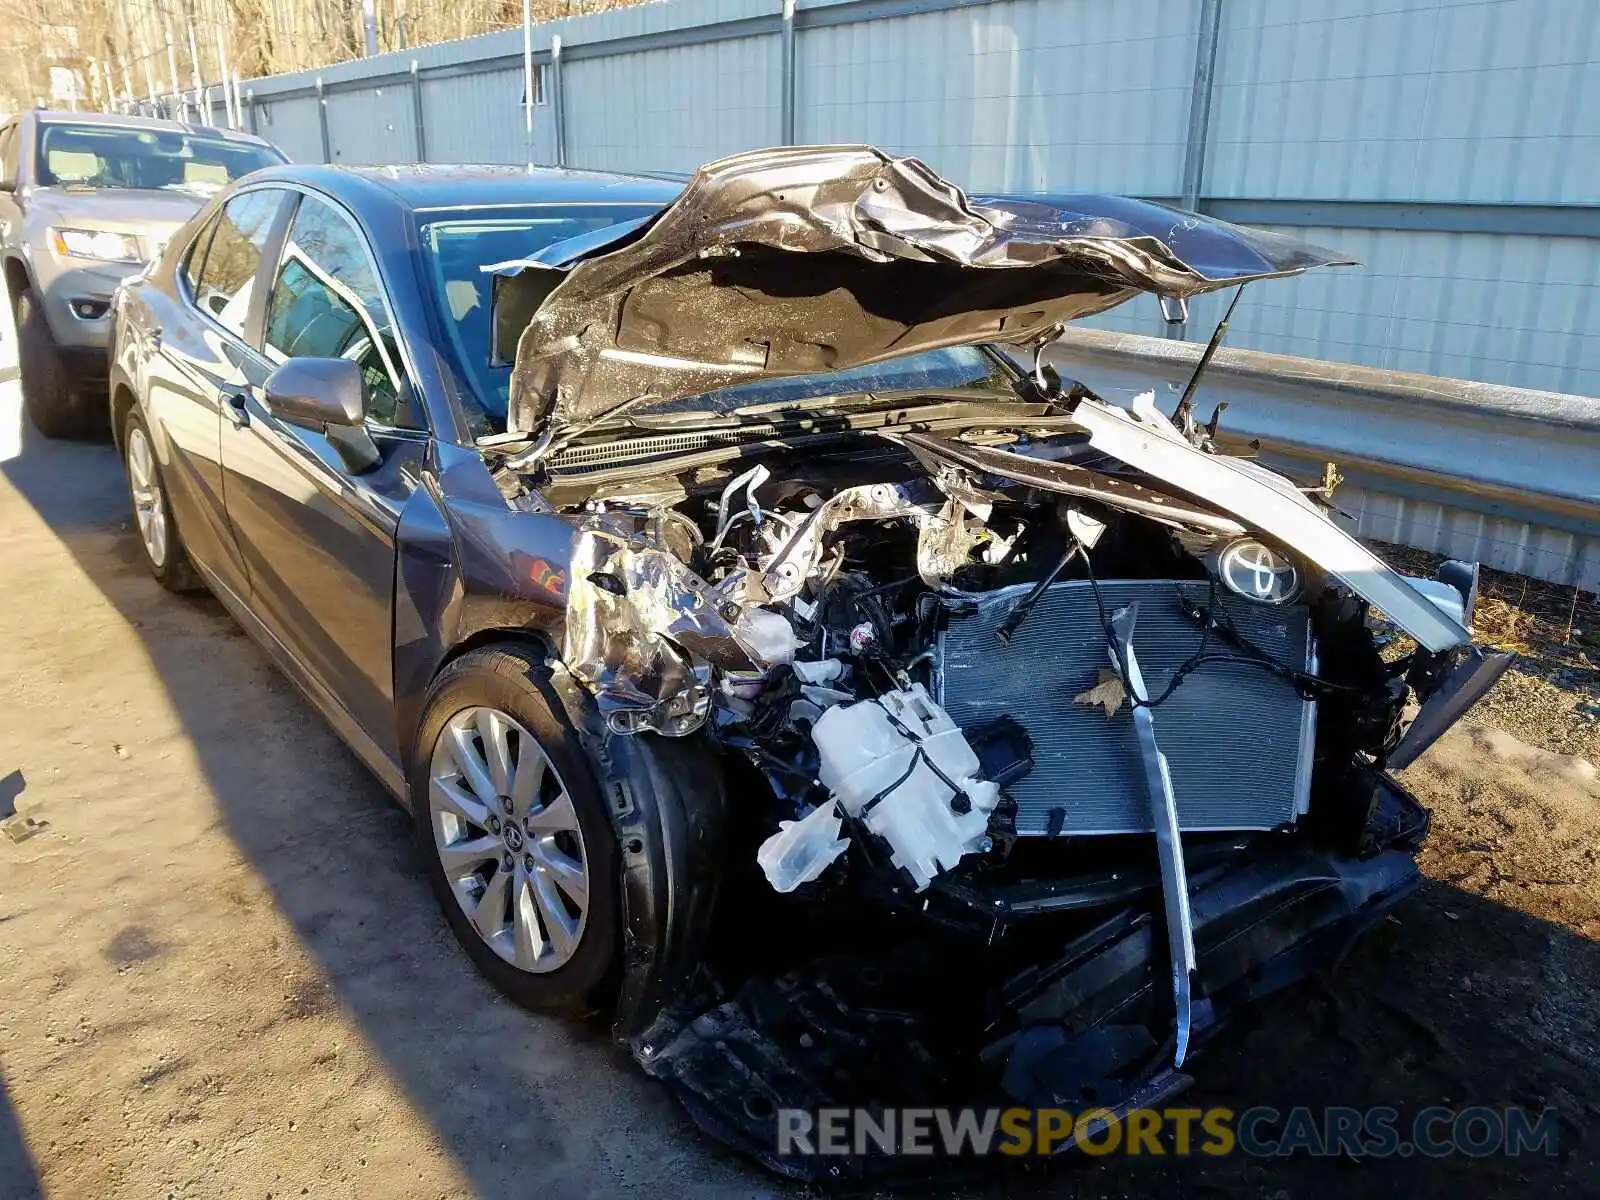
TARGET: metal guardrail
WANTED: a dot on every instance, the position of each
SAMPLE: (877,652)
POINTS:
(1507,476)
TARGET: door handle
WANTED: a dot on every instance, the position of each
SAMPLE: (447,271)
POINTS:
(233,407)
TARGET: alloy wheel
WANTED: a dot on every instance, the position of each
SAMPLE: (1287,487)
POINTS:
(508,838)
(144,482)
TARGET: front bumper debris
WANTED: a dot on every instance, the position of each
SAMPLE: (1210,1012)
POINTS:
(966,1021)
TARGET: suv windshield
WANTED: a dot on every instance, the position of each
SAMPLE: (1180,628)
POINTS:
(105,156)
(459,244)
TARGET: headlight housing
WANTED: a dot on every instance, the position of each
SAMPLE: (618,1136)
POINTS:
(99,244)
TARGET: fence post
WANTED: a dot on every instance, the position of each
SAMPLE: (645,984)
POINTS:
(527,81)
(250,111)
(786,101)
(417,119)
(1205,66)
(558,101)
(322,120)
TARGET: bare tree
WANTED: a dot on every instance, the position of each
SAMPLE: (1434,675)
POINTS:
(125,42)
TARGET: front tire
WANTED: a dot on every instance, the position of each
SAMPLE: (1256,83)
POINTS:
(164,553)
(513,834)
(55,404)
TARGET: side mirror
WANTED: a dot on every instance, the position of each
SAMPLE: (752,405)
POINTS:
(327,396)
(317,392)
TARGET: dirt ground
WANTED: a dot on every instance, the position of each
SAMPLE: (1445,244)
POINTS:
(221,974)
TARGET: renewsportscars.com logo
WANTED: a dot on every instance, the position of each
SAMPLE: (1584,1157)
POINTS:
(1262,1132)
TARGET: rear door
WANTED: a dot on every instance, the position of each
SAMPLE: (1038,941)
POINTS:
(317,539)
(197,357)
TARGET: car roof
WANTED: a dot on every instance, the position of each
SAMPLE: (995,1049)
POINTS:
(441,185)
(124,121)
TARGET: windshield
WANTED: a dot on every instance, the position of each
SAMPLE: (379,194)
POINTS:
(104,156)
(459,245)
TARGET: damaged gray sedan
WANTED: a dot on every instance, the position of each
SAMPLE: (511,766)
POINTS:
(1054,733)
(793,661)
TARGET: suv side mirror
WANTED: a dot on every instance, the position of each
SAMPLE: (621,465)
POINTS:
(327,396)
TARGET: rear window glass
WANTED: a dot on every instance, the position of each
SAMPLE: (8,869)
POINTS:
(196,258)
(228,277)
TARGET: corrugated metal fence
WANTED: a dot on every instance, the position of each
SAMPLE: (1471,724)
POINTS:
(1452,145)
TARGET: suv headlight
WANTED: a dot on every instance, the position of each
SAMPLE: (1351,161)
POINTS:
(98,244)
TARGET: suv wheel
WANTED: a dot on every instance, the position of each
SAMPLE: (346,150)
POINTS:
(516,843)
(54,404)
(152,512)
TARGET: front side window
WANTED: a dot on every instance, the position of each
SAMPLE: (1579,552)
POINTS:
(106,156)
(228,276)
(326,303)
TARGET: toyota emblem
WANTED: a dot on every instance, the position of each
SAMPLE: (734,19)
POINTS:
(1258,572)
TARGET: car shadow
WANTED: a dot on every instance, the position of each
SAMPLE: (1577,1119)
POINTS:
(336,853)
(18,1175)
(1449,1003)
(12,786)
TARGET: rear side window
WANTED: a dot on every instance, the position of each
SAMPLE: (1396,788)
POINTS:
(9,141)
(228,277)
(197,256)
(326,303)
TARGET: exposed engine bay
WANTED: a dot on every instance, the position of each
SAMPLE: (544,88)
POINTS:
(936,659)
(967,676)
(1049,735)
(860,596)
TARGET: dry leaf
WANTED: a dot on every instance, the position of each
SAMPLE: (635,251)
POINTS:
(1108,693)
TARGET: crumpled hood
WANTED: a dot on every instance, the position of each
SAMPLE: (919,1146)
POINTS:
(805,259)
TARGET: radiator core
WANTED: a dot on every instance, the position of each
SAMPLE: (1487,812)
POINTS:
(1238,738)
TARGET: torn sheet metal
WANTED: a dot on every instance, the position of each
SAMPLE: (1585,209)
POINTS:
(1463,686)
(1164,815)
(1272,505)
(1068,479)
(643,630)
(804,259)
(787,571)
(946,540)
(949,516)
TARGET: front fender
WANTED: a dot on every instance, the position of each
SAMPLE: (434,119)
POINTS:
(468,568)
(669,808)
